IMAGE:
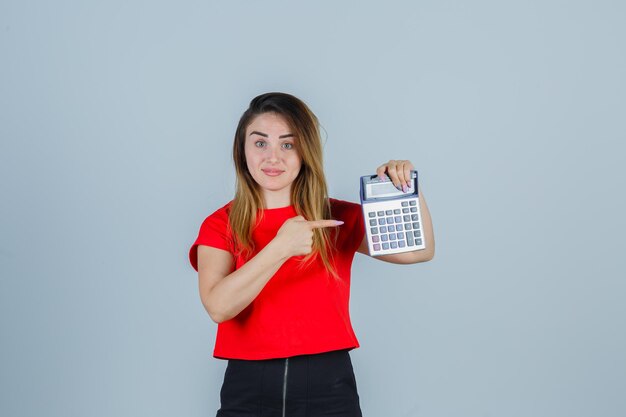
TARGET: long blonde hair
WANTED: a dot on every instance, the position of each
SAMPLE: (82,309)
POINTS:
(309,194)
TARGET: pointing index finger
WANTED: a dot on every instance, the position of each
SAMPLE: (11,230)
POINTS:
(324,223)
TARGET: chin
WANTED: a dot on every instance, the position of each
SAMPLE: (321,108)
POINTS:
(274,187)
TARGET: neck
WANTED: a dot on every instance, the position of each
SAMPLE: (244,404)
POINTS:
(276,199)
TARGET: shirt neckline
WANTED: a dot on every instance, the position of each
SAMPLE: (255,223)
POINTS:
(278,210)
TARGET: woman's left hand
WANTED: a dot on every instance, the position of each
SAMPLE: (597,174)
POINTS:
(398,171)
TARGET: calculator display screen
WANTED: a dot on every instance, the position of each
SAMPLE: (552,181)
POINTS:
(373,188)
(385,189)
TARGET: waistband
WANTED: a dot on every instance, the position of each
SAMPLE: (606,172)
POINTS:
(289,387)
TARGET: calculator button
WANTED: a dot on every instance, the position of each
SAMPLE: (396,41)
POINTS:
(391,229)
(407,218)
(388,212)
(412,202)
(401,244)
(383,229)
(392,236)
(398,219)
(405,210)
(396,211)
(400,235)
(381,213)
(409,241)
(376,246)
(413,209)
(375,239)
(414,217)
(383,238)
(381,221)
(399,227)
(416,225)
(385,245)
(418,241)
(371,214)
(417,233)
(407,226)
(374,230)
(373,222)
(405,204)
(389,220)
(394,245)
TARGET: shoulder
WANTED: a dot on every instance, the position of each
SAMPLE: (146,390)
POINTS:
(214,231)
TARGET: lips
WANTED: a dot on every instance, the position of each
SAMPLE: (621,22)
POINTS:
(272,172)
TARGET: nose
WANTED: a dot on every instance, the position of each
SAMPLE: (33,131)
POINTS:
(273,155)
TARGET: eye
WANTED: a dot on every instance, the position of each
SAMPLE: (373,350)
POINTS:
(287,145)
(259,143)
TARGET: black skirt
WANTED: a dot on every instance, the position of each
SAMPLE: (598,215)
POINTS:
(316,385)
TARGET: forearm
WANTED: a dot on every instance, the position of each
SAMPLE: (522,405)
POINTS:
(238,289)
(427,228)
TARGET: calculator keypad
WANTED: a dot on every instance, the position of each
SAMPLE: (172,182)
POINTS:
(394,226)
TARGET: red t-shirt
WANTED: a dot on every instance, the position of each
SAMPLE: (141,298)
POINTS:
(300,310)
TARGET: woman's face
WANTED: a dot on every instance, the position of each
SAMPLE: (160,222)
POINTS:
(271,156)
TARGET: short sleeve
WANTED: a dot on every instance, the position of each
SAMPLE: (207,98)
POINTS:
(214,232)
(353,229)
(358,228)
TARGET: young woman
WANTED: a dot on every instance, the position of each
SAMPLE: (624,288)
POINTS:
(274,269)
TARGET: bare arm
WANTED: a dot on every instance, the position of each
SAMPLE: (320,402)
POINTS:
(225,292)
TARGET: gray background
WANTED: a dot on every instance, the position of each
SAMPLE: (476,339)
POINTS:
(116,120)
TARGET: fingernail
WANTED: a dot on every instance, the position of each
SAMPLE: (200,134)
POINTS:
(339,222)
(405,188)
(382,177)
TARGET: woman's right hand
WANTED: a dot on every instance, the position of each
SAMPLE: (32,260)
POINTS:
(295,236)
(226,290)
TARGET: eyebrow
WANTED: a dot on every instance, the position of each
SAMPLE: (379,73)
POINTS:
(265,135)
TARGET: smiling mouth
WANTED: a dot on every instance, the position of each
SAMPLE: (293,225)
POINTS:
(272,172)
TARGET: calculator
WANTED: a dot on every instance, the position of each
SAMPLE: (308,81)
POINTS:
(393,221)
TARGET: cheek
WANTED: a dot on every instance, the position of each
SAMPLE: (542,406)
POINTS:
(296,163)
